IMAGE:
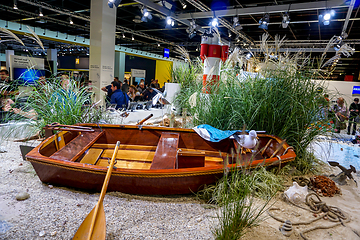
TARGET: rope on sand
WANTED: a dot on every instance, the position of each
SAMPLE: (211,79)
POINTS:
(316,206)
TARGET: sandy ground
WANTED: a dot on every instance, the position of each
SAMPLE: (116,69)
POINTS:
(56,212)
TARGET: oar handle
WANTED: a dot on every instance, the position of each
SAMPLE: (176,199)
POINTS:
(142,121)
(104,188)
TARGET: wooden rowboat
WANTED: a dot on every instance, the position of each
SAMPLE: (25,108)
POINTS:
(150,160)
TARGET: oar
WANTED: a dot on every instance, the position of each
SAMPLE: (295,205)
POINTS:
(145,119)
(94,225)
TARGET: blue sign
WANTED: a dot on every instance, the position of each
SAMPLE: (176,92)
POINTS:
(356,90)
(166,52)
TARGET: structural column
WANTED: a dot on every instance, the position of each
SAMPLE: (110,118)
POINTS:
(120,65)
(102,46)
(52,56)
(8,61)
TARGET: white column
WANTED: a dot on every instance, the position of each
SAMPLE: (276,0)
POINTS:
(8,61)
(52,56)
(102,46)
(120,65)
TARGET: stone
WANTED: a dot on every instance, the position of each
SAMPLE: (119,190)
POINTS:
(22,196)
(41,233)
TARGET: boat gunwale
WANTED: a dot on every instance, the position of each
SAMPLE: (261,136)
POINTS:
(39,158)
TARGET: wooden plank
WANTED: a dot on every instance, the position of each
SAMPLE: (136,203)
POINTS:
(76,147)
(143,156)
(124,147)
(166,151)
(125,164)
(213,159)
(91,156)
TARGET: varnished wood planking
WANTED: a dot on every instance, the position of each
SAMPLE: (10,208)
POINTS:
(130,155)
(124,147)
(125,164)
(91,156)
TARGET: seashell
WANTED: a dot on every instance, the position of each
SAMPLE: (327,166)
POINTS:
(22,196)
(286,228)
(296,193)
(53,233)
(41,233)
(51,186)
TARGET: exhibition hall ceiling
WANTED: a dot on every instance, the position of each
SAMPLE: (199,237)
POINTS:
(304,30)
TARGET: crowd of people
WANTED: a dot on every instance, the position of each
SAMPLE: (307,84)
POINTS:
(342,113)
(120,93)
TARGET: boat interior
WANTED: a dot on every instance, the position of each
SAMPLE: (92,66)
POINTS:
(152,149)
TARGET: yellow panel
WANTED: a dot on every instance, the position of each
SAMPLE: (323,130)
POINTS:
(163,71)
(91,156)
(141,156)
(125,164)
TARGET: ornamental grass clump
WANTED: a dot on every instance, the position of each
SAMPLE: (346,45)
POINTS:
(238,208)
(53,102)
(281,99)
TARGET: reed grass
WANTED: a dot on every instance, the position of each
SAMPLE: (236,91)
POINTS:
(51,102)
(238,207)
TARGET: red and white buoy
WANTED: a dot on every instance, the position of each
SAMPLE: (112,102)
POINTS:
(211,54)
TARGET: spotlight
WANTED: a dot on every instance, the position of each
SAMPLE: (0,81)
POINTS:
(112,3)
(132,37)
(146,15)
(71,21)
(214,22)
(286,20)
(236,24)
(183,4)
(40,12)
(169,22)
(229,33)
(123,35)
(325,18)
(191,30)
(15,4)
(158,44)
(264,21)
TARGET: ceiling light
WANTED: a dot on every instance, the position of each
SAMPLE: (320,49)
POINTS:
(112,3)
(236,24)
(264,21)
(214,22)
(71,21)
(15,4)
(132,37)
(169,22)
(40,12)
(325,18)
(146,15)
(286,20)
(183,4)
(123,35)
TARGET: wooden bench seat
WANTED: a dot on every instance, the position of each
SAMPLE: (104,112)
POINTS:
(76,147)
(166,151)
(91,156)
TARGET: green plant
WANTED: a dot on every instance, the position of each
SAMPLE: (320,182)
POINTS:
(53,102)
(238,207)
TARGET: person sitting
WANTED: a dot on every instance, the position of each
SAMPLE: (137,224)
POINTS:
(340,111)
(354,112)
(149,94)
(133,93)
(108,90)
(118,97)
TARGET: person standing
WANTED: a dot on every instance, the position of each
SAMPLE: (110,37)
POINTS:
(354,112)
(125,86)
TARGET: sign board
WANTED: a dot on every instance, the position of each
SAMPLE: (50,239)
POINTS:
(26,62)
(138,73)
(356,90)
(166,53)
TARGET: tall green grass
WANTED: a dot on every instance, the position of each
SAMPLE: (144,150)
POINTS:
(51,102)
(282,100)
(238,207)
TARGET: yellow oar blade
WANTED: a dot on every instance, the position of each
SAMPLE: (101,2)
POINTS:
(99,232)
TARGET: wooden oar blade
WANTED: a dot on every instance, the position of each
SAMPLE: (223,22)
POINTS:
(99,232)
